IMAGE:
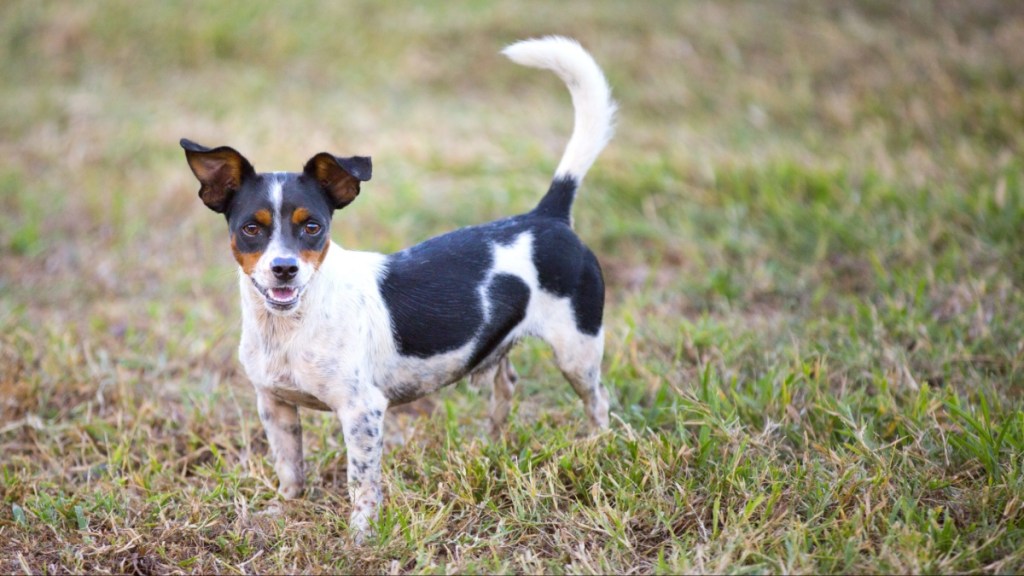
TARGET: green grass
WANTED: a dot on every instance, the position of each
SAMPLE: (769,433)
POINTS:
(810,221)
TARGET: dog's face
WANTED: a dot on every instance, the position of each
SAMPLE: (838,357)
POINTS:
(279,223)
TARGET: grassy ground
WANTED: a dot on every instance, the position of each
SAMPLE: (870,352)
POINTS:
(810,221)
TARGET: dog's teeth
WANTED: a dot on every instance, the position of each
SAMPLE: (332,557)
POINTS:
(282,294)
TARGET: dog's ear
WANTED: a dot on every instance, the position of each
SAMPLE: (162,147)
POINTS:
(340,177)
(220,172)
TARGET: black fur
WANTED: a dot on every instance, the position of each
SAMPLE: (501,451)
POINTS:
(249,199)
(557,203)
(297,192)
(432,289)
(508,297)
(303,192)
(588,298)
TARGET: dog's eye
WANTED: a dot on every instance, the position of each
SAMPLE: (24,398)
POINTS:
(250,229)
(312,228)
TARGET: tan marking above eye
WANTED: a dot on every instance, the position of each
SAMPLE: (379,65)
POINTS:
(299,216)
(263,217)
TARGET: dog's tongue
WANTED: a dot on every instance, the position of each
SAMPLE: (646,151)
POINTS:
(282,294)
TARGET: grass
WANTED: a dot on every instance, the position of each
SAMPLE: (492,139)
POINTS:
(810,223)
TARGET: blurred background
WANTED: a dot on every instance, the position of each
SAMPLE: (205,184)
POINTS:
(826,191)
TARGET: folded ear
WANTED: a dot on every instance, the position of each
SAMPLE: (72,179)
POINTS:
(220,172)
(340,177)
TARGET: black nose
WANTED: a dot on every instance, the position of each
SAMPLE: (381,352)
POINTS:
(284,268)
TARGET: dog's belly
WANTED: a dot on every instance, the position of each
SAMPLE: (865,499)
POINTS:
(408,378)
(299,398)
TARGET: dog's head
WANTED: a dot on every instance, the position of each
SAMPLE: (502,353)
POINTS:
(279,222)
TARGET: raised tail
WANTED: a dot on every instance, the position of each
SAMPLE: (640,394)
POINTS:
(595,113)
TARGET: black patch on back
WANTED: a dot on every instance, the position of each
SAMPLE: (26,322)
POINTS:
(588,298)
(432,289)
(568,269)
(508,296)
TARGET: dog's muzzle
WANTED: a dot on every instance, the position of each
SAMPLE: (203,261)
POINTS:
(279,298)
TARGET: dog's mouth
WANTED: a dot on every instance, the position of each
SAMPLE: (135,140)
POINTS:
(279,297)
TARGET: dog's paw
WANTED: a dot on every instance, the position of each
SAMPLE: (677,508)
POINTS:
(360,532)
(359,524)
(290,491)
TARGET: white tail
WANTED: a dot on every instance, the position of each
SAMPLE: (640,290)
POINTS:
(591,98)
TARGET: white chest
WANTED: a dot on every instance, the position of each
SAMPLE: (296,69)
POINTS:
(332,347)
(290,363)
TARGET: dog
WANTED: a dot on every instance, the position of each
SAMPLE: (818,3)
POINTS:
(356,332)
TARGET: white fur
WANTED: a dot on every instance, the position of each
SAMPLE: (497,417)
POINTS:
(337,332)
(591,97)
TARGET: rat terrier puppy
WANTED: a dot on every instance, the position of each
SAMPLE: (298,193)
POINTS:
(356,332)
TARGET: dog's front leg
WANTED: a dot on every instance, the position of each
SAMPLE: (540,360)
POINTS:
(363,427)
(284,433)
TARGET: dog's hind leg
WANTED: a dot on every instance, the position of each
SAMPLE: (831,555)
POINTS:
(502,379)
(579,358)
(505,379)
